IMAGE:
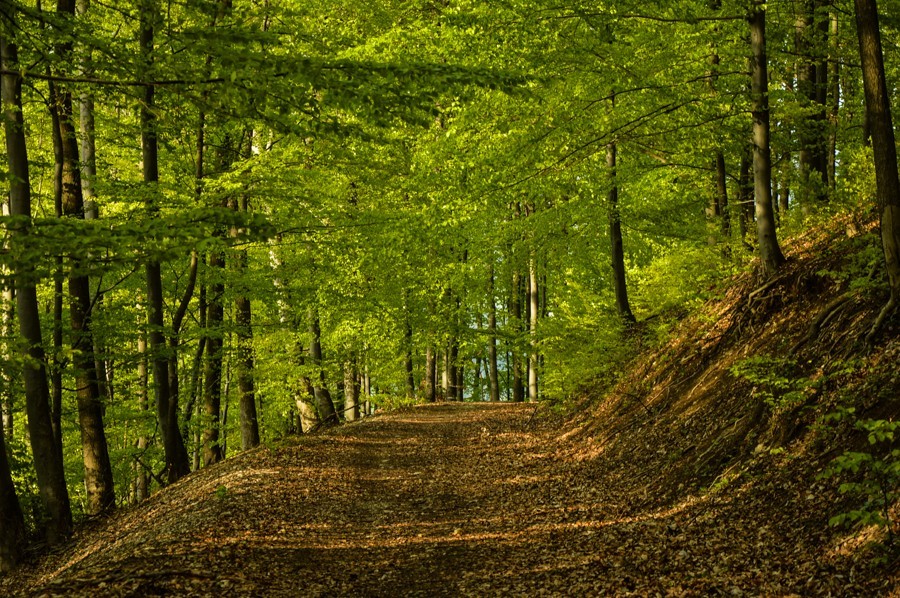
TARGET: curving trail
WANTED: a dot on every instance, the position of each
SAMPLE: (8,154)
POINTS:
(451,499)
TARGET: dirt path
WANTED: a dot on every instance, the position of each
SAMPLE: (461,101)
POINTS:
(439,500)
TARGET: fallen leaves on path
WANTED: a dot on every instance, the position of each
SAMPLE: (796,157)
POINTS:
(451,499)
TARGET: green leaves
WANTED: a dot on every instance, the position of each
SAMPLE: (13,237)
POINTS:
(873,477)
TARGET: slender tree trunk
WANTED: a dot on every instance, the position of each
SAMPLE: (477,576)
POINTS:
(12,522)
(722,195)
(7,331)
(460,377)
(249,420)
(212,383)
(351,390)
(834,72)
(878,109)
(430,374)
(408,344)
(304,396)
(445,374)
(88,137)
(98,478)
(770,254)
(493,371)
(810,79)
(176,460)
(534,311)
(48,463)
(324,404)
(745,196)
(142,479)
(454,393)
(784,195)
(56,360)
(174,377)
(246,385)
(821,26)
(88,165)
(615,238)
(518,384)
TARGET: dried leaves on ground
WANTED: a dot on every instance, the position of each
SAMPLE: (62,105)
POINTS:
(458,499)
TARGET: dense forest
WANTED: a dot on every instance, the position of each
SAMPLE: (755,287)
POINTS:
(232,220)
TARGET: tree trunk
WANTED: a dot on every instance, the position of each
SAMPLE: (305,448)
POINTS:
(811,76)
(212,382)
(7,332)
(445,374)
(324,404)
(493,371)
(518,385)
(745,196)
(617,249)
(48,462)
(430,374)
(784,192)
(453,393)
(305,398)
(834,103)
(351,390)
(408,344)
(533,312)
(98,478)
(12,522)
(770,254)
(176,458)
(56,361)
(884,149)
(88,165)
(142,478)
(722,195)
(244,330)
(180,448)
(88,138)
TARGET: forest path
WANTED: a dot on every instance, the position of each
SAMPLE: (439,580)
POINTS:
(448,499)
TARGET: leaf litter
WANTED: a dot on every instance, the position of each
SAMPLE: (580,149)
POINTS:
(458,500)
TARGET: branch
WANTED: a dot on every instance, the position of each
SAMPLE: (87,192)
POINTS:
(26,74)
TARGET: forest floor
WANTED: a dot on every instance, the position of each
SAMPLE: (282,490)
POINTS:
(451,499)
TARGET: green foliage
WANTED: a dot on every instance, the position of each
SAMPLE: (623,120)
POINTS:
(24,478)
(390,170)
(776,381)
(860,264)
(221,492)
(873,477)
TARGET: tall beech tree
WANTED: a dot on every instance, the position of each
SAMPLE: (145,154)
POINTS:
(166,403)
(884,149)
(617,251)
(12,522)
(770,254)
(48,461)
(97,467)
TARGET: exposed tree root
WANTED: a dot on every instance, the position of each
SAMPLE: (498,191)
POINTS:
(886,312)
(826,314)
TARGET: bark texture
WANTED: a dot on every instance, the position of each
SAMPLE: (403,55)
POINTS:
(769,251)
(48,461)
(884,149)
